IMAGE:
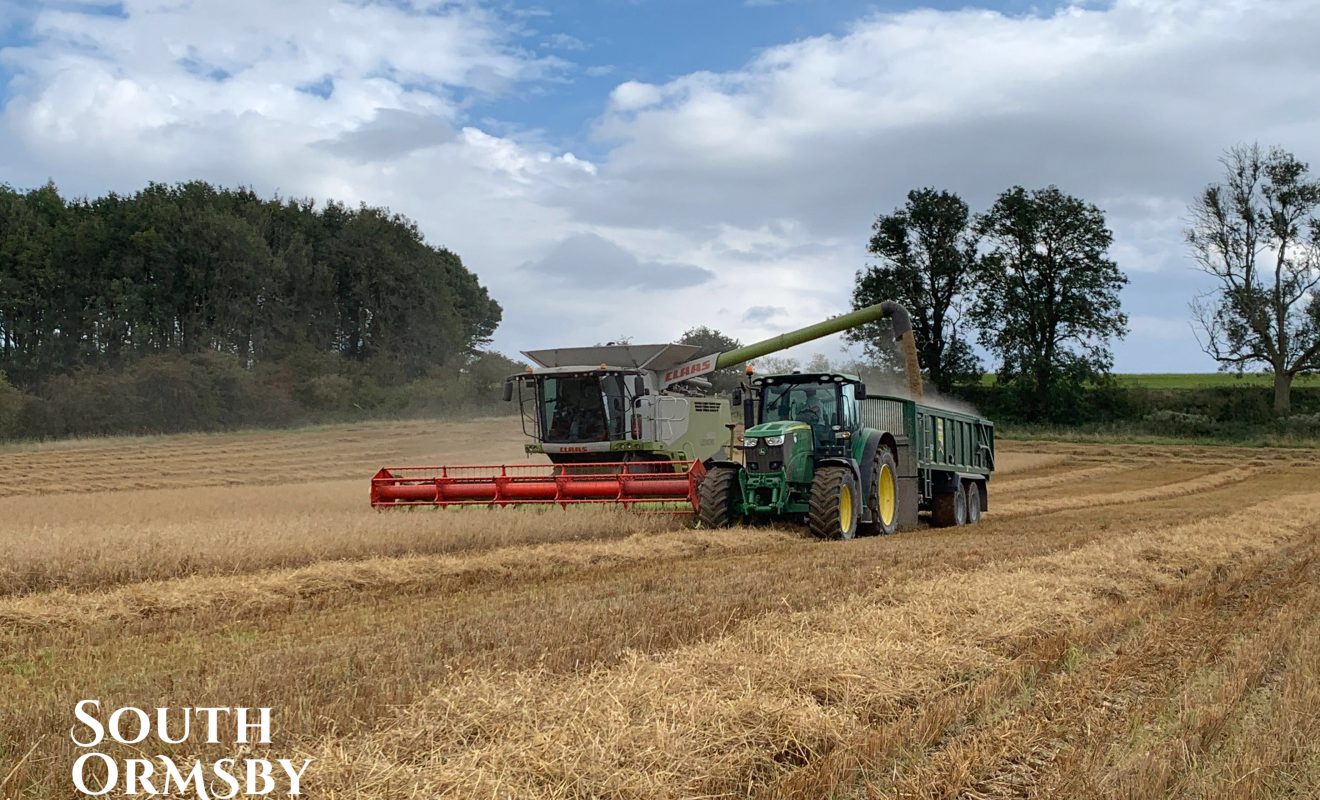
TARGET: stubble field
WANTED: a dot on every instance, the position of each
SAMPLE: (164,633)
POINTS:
(1127,622)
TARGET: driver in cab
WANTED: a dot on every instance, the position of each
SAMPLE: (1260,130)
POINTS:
(811,411)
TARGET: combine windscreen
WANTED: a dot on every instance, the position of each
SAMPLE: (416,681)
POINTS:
(582,408)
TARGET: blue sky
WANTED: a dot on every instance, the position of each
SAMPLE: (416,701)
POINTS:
(655,41)
(615,168)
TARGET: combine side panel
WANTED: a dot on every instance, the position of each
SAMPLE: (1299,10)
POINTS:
(671,485)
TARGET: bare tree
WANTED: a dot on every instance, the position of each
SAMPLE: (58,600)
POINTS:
(1258,234)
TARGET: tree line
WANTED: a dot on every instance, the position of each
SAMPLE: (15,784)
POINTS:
(191,306)
(193,268)
(1030,278)
(1031,281)
(192,281)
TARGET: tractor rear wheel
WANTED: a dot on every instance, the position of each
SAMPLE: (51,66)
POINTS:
(949,509)
(835,504)
(973,503)
(719,497)
(882,500)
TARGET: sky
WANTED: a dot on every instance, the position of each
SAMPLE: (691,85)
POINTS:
(633,168)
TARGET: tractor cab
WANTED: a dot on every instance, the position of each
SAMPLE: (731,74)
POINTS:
(826,403)
(807,454)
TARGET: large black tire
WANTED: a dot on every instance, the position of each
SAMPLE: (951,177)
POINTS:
(719,497)
(973,503)
(835,504)
(950,509)
(882,496)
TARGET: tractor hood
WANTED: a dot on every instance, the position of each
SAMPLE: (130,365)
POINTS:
(775,429)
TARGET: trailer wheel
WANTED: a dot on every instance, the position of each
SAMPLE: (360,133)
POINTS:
(882,500)
(835,504)
(718,498)
(973,502)
(949,509)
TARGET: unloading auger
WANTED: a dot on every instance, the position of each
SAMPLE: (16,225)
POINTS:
(629,425)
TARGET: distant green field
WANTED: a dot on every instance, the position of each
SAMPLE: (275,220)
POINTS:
(1206,380)
(1195,380)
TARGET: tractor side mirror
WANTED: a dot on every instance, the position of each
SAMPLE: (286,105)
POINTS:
(737,395)
(860,391)
(508,391)
(639,386)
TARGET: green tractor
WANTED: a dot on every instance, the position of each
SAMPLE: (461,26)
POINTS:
(817,449)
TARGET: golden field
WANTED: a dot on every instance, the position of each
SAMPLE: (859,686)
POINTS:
(1126,622)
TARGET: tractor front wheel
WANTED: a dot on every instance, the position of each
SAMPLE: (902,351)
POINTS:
(719,498)
(836,504)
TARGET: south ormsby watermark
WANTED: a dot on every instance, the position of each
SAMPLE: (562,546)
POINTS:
(98,774)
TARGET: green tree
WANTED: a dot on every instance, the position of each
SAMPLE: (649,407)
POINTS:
(1048,300)
(195,269)
(1258,234)
(927,255)
(31,295)
(709,342)
(11,407)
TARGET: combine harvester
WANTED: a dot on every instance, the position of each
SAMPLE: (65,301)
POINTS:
(633,425)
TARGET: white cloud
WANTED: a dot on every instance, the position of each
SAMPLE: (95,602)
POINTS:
(767,176)
(181,88)
(589,261)
(564,41)
(1115,102)
(634,96)
(1127,106)
(351,101)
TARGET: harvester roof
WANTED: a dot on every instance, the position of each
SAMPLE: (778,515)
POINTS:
(655,357)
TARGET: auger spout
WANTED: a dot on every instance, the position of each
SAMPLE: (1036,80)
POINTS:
(903,335)
(732,358)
